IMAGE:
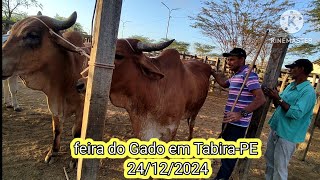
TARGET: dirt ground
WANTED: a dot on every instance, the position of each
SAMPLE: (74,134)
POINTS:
(27,136)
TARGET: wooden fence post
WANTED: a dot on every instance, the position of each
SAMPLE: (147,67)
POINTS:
(309,138)
(218,64)
(314,78)
(270,80)
(304,147)
(97,93)
(223,70)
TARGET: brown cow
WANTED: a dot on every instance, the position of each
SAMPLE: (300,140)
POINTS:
(45,63)
(156,92)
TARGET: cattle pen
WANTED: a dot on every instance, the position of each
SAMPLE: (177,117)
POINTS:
(25,134)
(24,150)
(219,64)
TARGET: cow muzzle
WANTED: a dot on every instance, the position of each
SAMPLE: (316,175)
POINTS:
(81,85)
(8,67)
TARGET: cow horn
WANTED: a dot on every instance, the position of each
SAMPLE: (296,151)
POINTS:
(152,47)
(39,13)
(61,25)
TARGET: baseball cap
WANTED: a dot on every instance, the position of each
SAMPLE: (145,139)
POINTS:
(305,63)
(236,52)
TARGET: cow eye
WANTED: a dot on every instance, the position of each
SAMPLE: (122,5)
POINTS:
(118,57)
(32,39)
(32,35)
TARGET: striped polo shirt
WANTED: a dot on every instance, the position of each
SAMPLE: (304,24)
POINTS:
(246,97)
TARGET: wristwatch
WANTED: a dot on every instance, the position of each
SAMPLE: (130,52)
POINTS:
(244,113)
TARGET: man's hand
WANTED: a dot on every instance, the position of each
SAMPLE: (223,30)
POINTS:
(219,78)
(272,93)
(231,117)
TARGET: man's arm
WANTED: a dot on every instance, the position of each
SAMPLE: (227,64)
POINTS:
(258,101)
(220,78)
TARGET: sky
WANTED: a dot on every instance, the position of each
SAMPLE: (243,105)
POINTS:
(150,17)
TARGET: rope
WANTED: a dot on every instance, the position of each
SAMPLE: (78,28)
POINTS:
(79,50)
(130,45)
(100,65)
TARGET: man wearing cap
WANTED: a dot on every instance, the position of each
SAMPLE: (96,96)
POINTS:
(250,99)
(291,119)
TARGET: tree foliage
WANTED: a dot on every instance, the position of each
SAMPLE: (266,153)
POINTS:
(305,48)
(11,12)
(142,38)
(11,8)
(313,15)
(203,49)
(180,46)
(239,23)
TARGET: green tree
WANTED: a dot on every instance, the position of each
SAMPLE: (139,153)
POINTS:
(305,48)
(180,46)
(11,12)
(313,18)
(203,49)
(142,38)
(239,23)
(313,15)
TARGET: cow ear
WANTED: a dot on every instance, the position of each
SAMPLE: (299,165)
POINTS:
(150,70)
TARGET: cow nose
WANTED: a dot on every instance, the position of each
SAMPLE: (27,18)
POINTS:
(80,87)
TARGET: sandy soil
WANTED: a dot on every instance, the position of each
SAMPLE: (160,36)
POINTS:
(27,136)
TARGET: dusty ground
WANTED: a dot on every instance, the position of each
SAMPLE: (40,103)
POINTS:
(27,136)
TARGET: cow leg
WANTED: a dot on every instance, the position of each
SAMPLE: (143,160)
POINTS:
(6,93)
(57,127)
(171,131)
(191,123)
(13,88)
(76,133)
(169,135)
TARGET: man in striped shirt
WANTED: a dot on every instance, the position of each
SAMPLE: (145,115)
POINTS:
(250,99)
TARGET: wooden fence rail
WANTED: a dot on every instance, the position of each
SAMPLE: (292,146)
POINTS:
(220,65)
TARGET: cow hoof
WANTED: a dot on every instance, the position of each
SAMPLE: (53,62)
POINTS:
(18,109)
(9,106)
(51,157)
(72,165)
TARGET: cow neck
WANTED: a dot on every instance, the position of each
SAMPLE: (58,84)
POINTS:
(54,78)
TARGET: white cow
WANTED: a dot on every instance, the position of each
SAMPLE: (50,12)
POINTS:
(10,87)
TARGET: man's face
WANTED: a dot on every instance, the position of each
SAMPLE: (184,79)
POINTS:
(235,62)
(296,72)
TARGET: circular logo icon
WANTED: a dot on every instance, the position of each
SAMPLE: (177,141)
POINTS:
(291,21)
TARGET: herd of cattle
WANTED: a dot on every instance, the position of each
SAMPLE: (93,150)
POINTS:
(156,92)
